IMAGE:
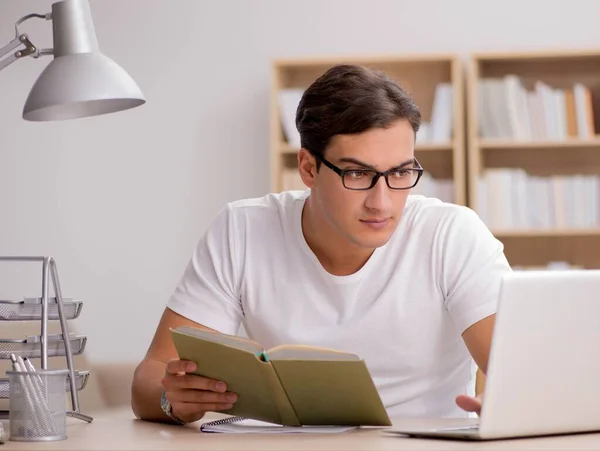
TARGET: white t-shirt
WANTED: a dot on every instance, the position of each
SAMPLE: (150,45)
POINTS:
(403,312)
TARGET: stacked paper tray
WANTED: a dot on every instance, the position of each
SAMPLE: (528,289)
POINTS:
(31,309)
(31,347)
(81,378)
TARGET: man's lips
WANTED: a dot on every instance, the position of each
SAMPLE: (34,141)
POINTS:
(376,224)
(375,220)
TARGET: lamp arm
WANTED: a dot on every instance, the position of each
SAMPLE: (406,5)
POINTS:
(22,39)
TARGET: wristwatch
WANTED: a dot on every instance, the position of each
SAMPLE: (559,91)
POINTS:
(167,408)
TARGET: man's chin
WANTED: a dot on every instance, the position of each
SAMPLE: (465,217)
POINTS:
(373,240)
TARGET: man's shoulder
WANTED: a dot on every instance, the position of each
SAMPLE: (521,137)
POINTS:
(270,218)
(273,211)
(279,202)
(445,223)
(430,210)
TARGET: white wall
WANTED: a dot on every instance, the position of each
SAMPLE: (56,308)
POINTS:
(120,200)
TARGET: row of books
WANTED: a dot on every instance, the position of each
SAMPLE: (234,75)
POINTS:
(508,109)
(513,199)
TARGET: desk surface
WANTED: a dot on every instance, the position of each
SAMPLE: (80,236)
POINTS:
(118,429)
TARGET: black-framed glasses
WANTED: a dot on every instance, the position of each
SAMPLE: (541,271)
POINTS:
(400,178)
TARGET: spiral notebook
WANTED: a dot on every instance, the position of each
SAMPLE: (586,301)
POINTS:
(241,425)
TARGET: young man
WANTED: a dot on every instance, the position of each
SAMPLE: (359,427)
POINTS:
(408,283)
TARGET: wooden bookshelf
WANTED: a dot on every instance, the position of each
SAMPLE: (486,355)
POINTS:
(442,159)
(533,159)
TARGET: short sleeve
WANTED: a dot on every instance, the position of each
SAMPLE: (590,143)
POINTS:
(208,292)
(473,265)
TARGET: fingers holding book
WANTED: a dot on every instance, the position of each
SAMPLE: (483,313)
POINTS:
(202,396)
(177,376)
(180,367)
(192,396)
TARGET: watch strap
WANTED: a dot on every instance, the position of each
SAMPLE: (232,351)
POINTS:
(168,409)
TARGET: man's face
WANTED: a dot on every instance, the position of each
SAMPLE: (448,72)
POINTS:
(367,219)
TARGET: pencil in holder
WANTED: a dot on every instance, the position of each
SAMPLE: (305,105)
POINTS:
(37,405)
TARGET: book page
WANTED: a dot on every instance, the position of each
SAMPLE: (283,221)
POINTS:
(225,339)
(303,352)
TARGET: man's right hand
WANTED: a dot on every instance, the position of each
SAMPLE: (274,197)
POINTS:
(191,396)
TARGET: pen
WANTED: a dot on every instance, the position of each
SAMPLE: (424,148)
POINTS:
(15,363)
(21,363)
(28,365)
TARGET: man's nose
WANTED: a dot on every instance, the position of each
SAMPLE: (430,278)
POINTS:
(379,196)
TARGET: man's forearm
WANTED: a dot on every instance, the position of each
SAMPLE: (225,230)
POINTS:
(146,391)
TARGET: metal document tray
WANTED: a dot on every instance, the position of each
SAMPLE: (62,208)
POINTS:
(31,347)
(30,309)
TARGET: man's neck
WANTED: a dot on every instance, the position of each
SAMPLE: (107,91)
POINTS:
(336,255)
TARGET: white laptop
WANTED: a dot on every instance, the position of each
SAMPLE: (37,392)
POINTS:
(544,370)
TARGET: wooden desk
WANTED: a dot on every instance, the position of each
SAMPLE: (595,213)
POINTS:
(118,429)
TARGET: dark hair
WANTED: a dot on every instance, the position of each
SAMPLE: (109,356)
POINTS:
(350,99)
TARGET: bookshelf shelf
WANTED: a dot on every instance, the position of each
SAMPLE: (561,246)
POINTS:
(434,147)
(534,154)
(542,161)
(557,233)
(571,143)
(286,148)
(427,79)
(539,250)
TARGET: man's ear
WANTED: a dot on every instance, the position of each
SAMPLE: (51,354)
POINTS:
(307,167)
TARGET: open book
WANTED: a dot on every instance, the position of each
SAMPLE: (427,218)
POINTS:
(290,385)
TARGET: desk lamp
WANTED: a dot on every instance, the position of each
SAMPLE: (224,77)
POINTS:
(79,81)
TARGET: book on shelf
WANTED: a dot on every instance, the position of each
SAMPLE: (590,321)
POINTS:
(290,385)
(288,101)
(510,198)
(511,109)
(438,130)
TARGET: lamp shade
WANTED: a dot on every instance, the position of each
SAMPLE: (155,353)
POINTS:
(80,81)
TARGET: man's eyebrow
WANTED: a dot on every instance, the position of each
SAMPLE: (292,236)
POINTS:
(411,161)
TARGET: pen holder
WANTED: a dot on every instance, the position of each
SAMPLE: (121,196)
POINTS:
(37,405)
